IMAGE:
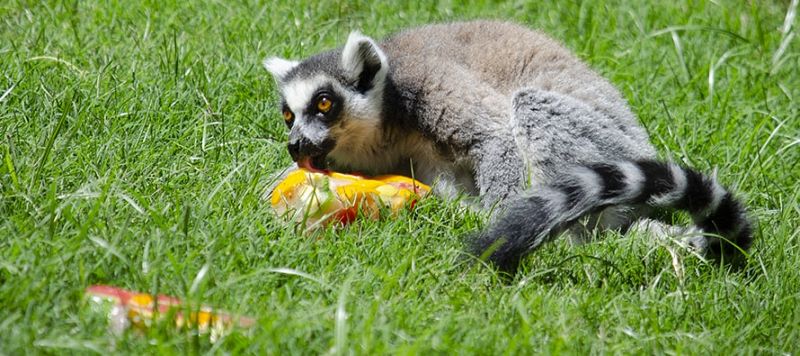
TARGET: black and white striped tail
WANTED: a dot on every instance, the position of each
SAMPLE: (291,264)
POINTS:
(545,211)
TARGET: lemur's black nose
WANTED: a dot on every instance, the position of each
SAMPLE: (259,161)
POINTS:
(302,148)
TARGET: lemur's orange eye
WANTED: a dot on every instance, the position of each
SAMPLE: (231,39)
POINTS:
(324,104)
(287,116)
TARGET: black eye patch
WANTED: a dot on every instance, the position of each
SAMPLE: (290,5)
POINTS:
(288,115)
(328,99)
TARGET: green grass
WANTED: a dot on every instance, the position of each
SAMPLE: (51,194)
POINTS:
(138,137)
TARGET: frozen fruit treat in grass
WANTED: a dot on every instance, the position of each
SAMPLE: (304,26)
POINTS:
(127,308)
(318,198)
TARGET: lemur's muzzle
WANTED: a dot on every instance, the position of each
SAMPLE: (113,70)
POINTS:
(306,153)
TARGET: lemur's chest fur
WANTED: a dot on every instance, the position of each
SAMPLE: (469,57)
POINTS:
(410,154)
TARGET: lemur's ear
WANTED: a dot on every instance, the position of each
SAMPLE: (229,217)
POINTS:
(279,67)
(364,62)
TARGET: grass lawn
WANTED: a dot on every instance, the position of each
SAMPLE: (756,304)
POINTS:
(137,139)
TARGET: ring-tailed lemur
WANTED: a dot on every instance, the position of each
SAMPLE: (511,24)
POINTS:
(483,108)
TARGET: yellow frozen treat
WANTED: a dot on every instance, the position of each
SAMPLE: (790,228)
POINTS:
(317,198)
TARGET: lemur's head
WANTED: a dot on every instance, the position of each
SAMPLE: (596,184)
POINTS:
(332,101)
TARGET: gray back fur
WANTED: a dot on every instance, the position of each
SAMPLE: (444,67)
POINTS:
(507,57)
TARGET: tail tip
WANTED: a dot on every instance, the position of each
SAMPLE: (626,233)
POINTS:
(731,249)
(494,250)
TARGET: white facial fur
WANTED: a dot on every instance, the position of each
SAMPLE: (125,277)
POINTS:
(298,94)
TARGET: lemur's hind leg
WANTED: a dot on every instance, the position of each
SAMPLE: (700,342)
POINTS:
(636,220)
(554,131)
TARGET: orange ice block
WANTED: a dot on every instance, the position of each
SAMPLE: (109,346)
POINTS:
(318,198)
